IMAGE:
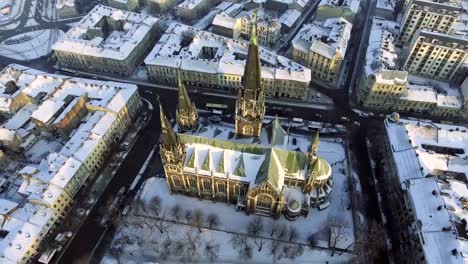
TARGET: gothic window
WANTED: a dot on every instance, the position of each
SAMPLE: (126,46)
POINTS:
(206,185)
(247,130)
(221,187)
(176,180)
(192,182)
(264,202)
(239,190)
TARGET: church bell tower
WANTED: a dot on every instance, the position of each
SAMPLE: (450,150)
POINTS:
(186,114)
(250,105)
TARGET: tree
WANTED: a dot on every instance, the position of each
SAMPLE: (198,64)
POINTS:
(165,250)
(293,234)
(186,247)
(156,223)
(176,212)
(282,231)
(198,218)
(273,228)
(291,251)
(338,230)
(274,248)
(241,244)
(155,206)
(211,250)
(188,215)
(254,228)
(213,220)
(313,239)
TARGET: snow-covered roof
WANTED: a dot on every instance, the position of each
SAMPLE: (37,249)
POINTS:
(431,162)
(190,4)
(353,5)
(289,17)
(275,155)
(223,20)
(325,38)
(388,5)
(88,38)
(168,52)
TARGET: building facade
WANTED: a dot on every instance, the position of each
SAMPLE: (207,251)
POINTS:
(430,15)
(322,47)
(346,9)
(160,6)
(66,8)
(219,163)
(193,9)
(436,55)
(204,59)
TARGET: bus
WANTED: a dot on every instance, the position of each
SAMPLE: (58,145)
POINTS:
(216,106)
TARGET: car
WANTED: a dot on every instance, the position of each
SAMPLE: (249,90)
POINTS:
(344,118)
(214,119)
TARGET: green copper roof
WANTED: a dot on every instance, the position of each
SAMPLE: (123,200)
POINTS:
(315,145)
(240,171)
(252,73)
(191,161)
(168,137)
(220,168)
(294,205)
(206,163)
(276,133)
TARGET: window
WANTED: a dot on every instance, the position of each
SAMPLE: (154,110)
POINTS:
(192,182)
(239,190)
(221,187)
(206,185)
(176,180)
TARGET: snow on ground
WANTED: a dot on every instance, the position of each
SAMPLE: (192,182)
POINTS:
(134,233)
(31,22)
(31,45)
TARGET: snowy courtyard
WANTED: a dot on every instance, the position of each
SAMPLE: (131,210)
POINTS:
(164,227)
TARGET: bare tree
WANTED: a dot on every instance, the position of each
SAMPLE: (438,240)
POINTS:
(198,218)
(293,233)
(176,212)
(244,249)
(186,247)
(116,248)
(313,239)
(291,251)
(188,215)
(213,220)
(273,228)
(254,228)
(155,206)
(282,231)
(338,230)
(275,247)
(165,250)
(154,223)
(212,250)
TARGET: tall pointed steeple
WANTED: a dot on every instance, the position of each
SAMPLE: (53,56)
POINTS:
(313,149)
(250,106)
(168,136)
(186,114)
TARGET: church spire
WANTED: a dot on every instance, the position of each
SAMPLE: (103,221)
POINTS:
(252,70)
(314,145)
(168,136)
(250,106)
(186,114)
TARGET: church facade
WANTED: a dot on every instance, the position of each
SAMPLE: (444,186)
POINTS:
(261,170)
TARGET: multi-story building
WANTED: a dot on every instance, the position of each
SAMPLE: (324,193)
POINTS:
(106,40)
(283,5)
(288,19)
(436,55)
(321,46)
(192,9)
(160,6)
(381,83)
(66,8)
(346,9)
(251,166)
(204,59)
(63,128)
(129,5)
(425,189)
(269,30)
(431,15)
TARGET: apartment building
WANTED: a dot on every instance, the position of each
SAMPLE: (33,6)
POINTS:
(66,8)
(321,46)
(435,55)
(346,9)
(431,15)
(160,6)
(129,5)
(192,9)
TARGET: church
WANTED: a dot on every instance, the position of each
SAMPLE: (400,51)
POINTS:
(260,169)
